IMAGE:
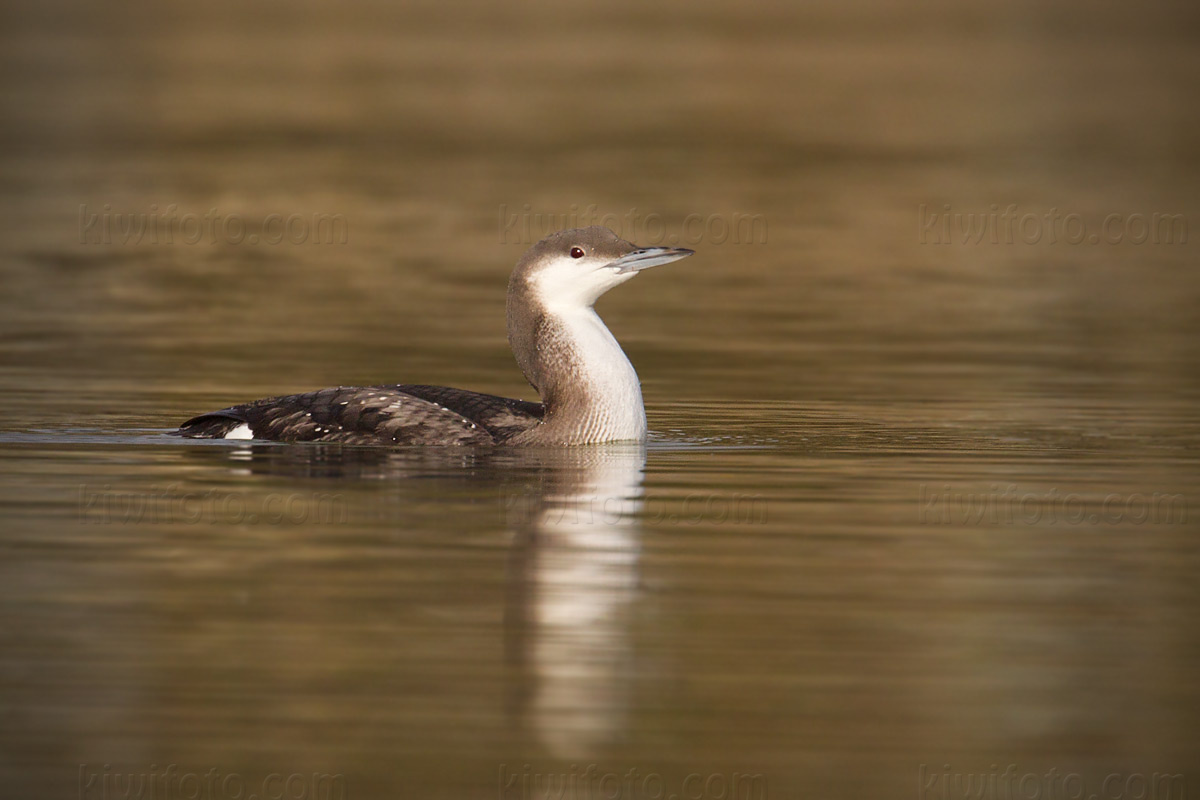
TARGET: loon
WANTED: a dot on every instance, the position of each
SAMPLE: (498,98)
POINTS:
(589,390)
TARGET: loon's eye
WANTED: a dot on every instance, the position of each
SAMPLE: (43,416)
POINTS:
(576,252)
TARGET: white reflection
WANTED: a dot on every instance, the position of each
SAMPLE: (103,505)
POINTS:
(576,559)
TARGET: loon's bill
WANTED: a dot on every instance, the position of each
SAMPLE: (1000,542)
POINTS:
(590,392)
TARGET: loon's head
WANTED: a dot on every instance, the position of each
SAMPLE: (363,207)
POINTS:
(572,268)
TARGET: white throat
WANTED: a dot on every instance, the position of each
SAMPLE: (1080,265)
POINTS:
(607,368)
(603,379)
(610,376)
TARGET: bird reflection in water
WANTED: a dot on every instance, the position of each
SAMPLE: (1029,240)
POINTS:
(572,573)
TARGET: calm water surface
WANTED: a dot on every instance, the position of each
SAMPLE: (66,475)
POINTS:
(912,510)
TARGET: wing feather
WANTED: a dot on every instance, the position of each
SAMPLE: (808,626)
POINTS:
(398,414)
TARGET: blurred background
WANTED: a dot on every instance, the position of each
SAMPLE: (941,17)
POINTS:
(944,251)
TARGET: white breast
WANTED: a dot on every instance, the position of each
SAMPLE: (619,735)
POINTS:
(609,376)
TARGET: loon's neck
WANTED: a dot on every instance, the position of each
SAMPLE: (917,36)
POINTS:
(589,389)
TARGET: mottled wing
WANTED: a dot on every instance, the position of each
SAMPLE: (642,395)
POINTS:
(352,415)
(503,417)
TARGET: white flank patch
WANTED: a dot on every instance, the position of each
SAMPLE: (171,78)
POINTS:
(240,432)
